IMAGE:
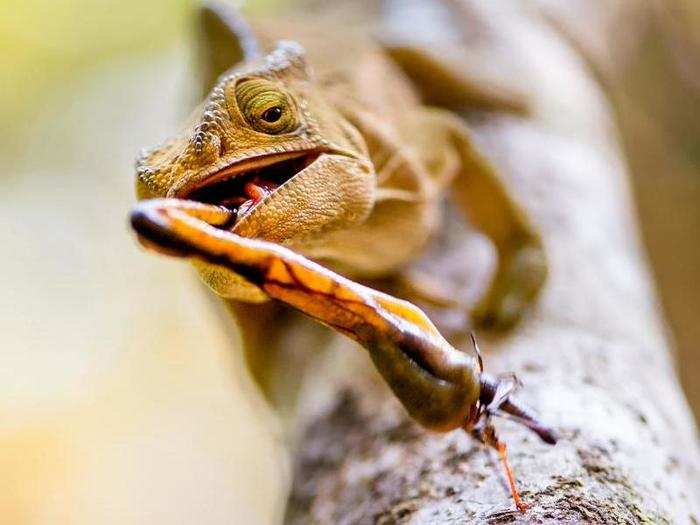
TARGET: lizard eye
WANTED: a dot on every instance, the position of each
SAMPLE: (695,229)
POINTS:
(266,107)
(273,114)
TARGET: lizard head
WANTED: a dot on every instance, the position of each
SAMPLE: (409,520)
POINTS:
(268,146)
(271,148)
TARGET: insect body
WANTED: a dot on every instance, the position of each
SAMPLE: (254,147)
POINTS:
(414,359)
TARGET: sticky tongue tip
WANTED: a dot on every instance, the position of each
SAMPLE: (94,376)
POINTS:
(255,191)
(244,208)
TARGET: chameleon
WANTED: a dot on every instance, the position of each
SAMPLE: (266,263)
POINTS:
(320,159)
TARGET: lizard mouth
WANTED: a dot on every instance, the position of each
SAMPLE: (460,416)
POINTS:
(242,186)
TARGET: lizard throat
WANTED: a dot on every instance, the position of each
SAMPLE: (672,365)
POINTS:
(243,185)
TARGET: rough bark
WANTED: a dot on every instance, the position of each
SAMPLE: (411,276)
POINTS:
(593,354)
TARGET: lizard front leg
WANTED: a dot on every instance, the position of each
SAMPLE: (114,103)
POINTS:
(522,265)
(491,208)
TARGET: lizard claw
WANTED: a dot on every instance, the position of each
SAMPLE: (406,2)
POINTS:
(518,281)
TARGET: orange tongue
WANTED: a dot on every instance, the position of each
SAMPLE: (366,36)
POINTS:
(259,188)
(255,192)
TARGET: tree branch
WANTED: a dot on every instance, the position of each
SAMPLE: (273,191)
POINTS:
(593,355)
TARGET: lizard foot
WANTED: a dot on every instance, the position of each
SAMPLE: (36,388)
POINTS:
(518,280)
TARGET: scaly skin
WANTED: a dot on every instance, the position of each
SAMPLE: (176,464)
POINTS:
(346,167)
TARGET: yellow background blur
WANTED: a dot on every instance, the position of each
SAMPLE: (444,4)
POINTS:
(121,400)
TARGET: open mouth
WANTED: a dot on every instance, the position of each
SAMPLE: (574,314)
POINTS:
(243,185)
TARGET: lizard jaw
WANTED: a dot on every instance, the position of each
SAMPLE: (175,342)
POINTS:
(243,185)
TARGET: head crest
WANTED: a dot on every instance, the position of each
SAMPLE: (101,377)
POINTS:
(288,58)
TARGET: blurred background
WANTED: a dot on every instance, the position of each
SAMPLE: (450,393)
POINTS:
(106,413)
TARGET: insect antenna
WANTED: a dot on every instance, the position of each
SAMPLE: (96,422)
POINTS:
(477,351)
